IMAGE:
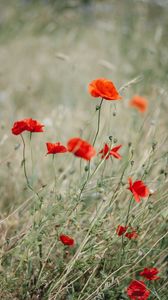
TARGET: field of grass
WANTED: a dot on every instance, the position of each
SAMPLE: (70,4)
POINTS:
(49,52)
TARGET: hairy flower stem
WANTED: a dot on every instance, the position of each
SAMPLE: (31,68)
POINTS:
(55,177)
(36,193)
(126,222)
(98,121)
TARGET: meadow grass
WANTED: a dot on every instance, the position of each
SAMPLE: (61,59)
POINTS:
(48,56)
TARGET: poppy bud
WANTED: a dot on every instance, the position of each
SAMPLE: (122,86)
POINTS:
(110,137)
(162,171)
(97,107)
(132,162)
(154,145)
(129,144)
(86,168)
(115,140)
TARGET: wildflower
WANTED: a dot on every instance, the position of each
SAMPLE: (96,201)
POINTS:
(121,230)
(139,189)
(34,125)
(19,127)
(106,152)
(131,235)
(139,103)
(150,274)
(27,125)
(67,240)
(137,290)
(81,148)
(55,148)
(103,88)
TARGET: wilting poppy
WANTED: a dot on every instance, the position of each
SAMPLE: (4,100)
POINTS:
(139,189)
(27,125)
(103,88)
(67,240)
(131,235)
(55,148)
(139,103)
(137,290)
(150,274)
(106,152)
(121,230)
(81,148)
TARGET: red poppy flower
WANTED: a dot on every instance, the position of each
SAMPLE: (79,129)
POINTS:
(19,127)
(67,240)
(121,230)
(81,148)
(139,189)
(55,148)
(103,88)
(150,274)
(34,125)
(106,152)
(137,290)
(139,103)
(27,125)
(131,235)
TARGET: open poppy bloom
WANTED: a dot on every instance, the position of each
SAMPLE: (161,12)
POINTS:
(150,274)
(137,290)
(103,88)
(27,125)
(55,148)
(106,152)
(19,127)
(81,148)
(139,189)
(139,103)
(121,230)
(34,125)
(67,240)
(131,235)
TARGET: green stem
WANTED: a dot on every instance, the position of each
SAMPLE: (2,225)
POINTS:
(98,122)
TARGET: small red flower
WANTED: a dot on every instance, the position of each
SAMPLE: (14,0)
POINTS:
(121,230)
(139,103)
(55,148)
(103,88)
(67,240)
(34,125)
(137,290)
(27,125)
(19,127)
(150,274)
(106,152)
(131,235)
(81,148)
(139,189)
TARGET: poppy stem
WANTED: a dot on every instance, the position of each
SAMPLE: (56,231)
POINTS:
(126,222)
(55,178)
(24,164)
(98,121)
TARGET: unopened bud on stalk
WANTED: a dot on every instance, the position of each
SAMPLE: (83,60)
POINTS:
(86,168)
(110,137)
(97,107)
(115,140)
(154,145)
(129,144)
(132,162)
